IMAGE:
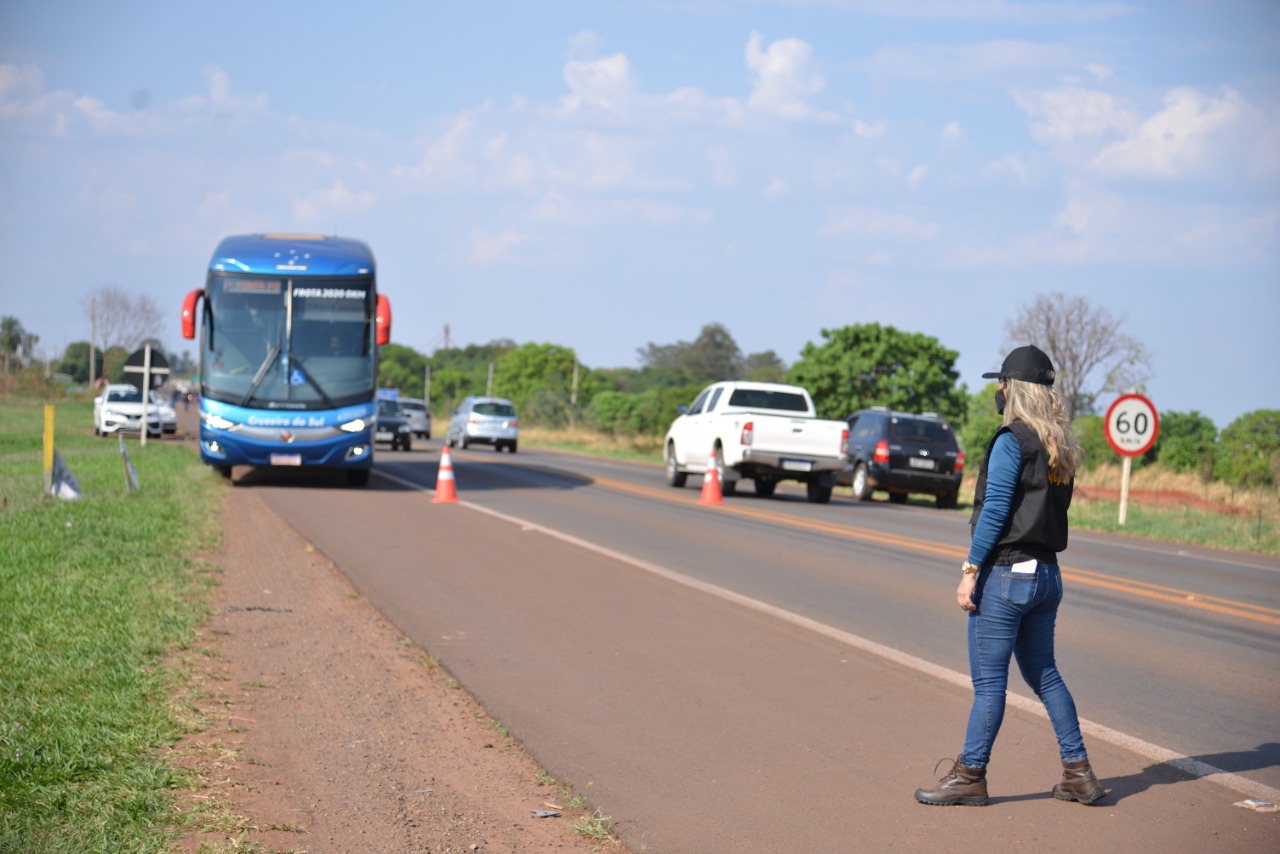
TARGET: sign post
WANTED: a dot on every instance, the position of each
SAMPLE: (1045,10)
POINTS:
(1132,426)
(152,366)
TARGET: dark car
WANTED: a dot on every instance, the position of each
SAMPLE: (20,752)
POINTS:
(392,426)
(901,453)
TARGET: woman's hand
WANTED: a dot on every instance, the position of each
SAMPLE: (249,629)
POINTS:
(964,593)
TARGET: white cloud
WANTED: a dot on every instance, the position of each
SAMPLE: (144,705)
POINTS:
(1175,140)
(776,187)
(994,61)
(1065,115)
(487,248)
(917,176)
(445,159)
(334,202)
(864,222)
(785,77)
(607,84)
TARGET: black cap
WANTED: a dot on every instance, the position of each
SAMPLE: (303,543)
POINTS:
(1029,364)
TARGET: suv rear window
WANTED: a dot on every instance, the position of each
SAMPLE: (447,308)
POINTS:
(759,398)
(921,430)
(502,409)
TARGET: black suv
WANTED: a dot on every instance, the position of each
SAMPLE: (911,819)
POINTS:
(901,453)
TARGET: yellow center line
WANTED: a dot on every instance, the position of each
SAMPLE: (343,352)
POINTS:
(1144,589)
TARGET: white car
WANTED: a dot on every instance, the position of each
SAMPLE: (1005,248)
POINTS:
(119,407)
(168,415)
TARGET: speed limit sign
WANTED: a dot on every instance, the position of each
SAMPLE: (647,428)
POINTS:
(1132,425)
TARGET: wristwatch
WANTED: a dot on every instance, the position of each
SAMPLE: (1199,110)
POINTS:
(969,568)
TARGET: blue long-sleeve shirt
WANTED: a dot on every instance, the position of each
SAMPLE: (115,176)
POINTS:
(1002,480)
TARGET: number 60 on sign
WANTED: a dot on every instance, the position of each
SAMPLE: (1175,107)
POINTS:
(1132,425)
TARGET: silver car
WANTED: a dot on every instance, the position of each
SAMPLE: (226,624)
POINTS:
(419,416)
(484,421)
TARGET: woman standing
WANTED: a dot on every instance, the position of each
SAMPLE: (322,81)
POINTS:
(1011,586)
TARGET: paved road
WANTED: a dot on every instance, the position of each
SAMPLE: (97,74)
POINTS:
(774,675)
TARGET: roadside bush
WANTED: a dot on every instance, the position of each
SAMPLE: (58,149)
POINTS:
(1249,450)
(1186,443)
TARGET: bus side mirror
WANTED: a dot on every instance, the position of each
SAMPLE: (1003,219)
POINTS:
(189,313)
(382,321)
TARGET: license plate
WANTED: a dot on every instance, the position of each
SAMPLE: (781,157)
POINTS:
(797,465)
(918,463)
(286,459)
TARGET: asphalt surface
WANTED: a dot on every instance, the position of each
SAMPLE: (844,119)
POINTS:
(771,675)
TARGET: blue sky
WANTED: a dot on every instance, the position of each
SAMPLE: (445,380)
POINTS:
(602,175)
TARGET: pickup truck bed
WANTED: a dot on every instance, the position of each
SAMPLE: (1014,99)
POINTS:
(765,432)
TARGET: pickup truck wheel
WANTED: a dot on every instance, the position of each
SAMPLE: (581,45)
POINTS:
(818,494)
(765,486)
(675,477)
(861,484)
(727,487)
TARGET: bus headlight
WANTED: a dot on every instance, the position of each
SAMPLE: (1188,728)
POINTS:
(217,422)
(353,426)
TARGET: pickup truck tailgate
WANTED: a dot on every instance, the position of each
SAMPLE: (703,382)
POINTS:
(781,434)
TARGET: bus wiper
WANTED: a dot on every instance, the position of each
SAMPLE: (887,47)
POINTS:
(311,381)
(260,375)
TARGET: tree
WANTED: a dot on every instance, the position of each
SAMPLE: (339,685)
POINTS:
(402,368)
(119,321)
(712,357)
(765,367)
(1092,355)
(1186,443)
(538,379)
(11,337)
(873,365)
(1249,450)
(74,362)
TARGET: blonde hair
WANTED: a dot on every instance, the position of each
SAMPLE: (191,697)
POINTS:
(1040,407)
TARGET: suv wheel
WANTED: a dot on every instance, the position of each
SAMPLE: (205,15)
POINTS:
(861,483)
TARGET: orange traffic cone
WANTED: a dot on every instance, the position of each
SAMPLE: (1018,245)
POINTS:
(446,489)
(711,493)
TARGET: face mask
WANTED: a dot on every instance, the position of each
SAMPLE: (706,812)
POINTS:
(1000,401)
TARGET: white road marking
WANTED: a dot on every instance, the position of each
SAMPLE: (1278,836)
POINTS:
(1145,749)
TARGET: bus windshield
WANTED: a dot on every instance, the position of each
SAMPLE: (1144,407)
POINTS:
(282,343)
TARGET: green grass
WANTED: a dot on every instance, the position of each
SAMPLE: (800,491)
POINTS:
(94,593)
(1181,525)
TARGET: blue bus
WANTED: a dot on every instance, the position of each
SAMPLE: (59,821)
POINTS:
(289,337)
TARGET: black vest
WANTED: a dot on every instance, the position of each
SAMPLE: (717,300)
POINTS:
(1037,523)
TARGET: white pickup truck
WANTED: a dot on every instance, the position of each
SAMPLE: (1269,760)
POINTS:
(764,431)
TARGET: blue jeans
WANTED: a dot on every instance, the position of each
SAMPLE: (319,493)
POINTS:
(1015,617)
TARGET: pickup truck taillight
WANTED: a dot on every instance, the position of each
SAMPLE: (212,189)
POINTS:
(844,443)
(748,432)
(959,462)
(881,454)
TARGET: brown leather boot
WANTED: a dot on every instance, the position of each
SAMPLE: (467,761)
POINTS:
(962,786)
(1078,783)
